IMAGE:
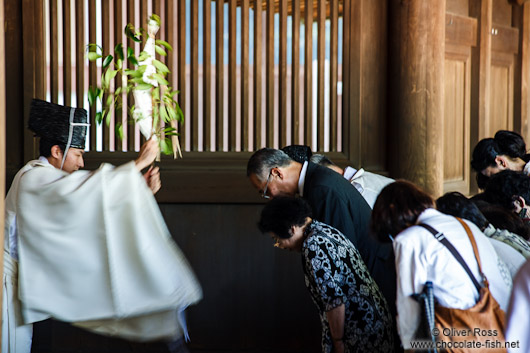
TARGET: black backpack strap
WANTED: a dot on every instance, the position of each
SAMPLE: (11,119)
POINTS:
(442,239)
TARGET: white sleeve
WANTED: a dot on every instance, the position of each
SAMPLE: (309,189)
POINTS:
(411,277)
(517,318)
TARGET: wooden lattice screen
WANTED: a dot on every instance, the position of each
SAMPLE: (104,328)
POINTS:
(249,72)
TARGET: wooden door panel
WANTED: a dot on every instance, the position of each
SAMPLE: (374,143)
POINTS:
(457,118)
(501,92)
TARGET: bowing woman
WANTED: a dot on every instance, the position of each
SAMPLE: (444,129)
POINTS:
(420,257)
(506,150)
(353,312)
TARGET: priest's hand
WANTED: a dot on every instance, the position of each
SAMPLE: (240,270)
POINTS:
(147,155)
(152,178)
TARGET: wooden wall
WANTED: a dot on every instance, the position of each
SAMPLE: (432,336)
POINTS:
(485,87)
(254,294)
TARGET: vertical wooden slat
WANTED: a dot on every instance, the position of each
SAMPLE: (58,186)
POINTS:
(308,68)
(182,64)
(40,51)
(232,75)
(160,8)
(143,24)
(219,70)
(170,24)
(296,73)
(207,70)
(31,27)
(105,14)
(257,74)
(54,52)
(194,44)
(170,37)
(244,76)
(118,38)
(346,74)
(80,49)
(333,115)
(92,71)
(157,6)
(144,15)
(321,59)
(283,73)
(130,99)
(269,73)
(354,146)
(67,54)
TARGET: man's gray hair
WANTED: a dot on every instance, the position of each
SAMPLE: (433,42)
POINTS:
(264,160)
(321,160)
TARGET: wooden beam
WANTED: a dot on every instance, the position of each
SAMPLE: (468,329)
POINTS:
(269,76)
(54,52)
(118,38)
(207,64)
(107,50)
(245,146)
(333,70)
(295,95)
(219,72)
(258,142)
(92,72)
(308,75)
(282,113)
(194,82)
(232,75)
(321,59)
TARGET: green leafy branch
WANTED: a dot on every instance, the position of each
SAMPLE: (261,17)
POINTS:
(165,107)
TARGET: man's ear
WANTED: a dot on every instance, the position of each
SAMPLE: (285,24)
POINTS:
(56,152)
(518,203)
(277,172)
(501,162)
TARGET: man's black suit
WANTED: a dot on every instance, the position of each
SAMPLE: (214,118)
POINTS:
(336,202)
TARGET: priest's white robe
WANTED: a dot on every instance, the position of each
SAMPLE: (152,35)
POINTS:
(94,250)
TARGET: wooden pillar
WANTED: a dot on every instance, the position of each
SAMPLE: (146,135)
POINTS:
(416,125)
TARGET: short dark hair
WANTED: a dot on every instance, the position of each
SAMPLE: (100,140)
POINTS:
(508,143)
(281,213)
(501,218)
(482,180)
(321,160)
(456,204)
(504,187)
(298,153)
(398,207)
(262,161)
(45,146)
